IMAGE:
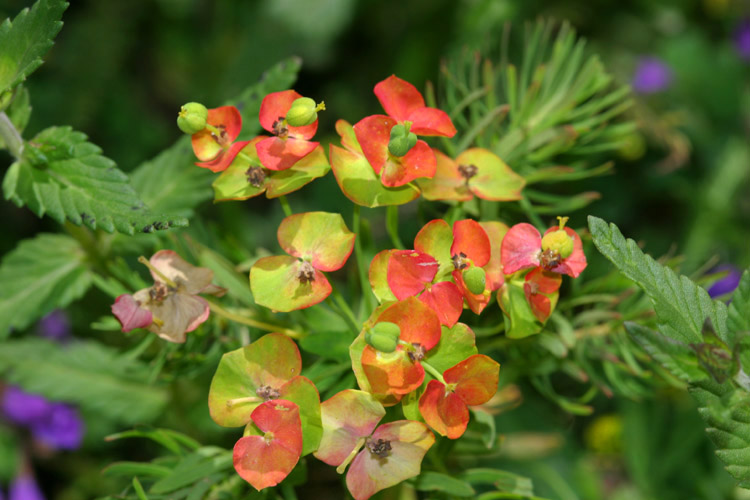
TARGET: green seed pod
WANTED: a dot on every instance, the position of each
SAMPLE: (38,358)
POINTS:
(558,241)
(475,279)
(399,146)
(302,113)
(412,138)
(398,131)
(383,336)
(192,118)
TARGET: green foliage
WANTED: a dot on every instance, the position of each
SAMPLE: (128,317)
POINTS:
(41,274)
(24,41)
(739,319)
(682,307)
(96,377)
(66,177)
(435,481)
(18,110)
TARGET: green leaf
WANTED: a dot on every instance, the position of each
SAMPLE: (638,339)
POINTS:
(19,111)
(739,309)
(486,422)
(194,467)
(681,306)
(502,480)
(130,469)
(24,41)
(66,177)
(328,345)
(226,275)
(172,440)
(676,357)
(435,481)
(40,275)
(456,344)
(86,373)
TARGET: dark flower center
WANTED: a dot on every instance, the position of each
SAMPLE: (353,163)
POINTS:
(467,171)
(158,292)
(459,261)
(381,447)
(267,392)
(280,129)
(550,259)
(256,176)
(222,138)
(306,273)
(418,353)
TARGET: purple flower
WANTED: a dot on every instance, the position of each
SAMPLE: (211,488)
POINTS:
(728,283)
(60,428)
(24,488)
(742,40)
(23,408)
(55,325)
(652,75)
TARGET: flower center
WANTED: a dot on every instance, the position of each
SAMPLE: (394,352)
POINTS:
(256,176)
(459,261)
(267,392)
(221,137)
(381,447)
(418,353)
(280,129)
(158,292)
(467,171)
(306,273)
(550,259)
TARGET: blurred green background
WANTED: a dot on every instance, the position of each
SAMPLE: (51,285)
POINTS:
(120,70)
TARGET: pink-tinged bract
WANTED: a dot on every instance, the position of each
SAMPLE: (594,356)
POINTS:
(402,101)
(269,454)
(356,350)
(130,314)
(274,108)
(446,300)
(409,271)
(216,152)
(370,473)
(378,276)
(284,283)
(538,286)
(475,379)
(356,177)
(470,239)
(347,416)
(521,248)
(575,263)
(320,238)
(436,238)
(494,268)
(476,301)
(289,144)
(443,410)
(280,154)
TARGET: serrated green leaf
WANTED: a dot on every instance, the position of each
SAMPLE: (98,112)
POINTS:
(24,41)
(88,374)
(681,306)
(70,179)
(435,481)
(739,310)
(677,358)
(39,275)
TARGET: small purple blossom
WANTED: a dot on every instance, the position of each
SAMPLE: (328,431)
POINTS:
(23,408)
(24,487)
(61,428)
(652,75)
(728,283)
(55,325)
(742,40)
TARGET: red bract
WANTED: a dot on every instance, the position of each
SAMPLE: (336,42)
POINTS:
(266,456)
(471,382)
(380,457)
(522,249)
(404,104)
(538,287)
(400,372)
(215,145)
(171,307)
(288,144)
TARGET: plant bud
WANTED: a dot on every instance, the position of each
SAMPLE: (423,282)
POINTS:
(401,140)
(383,336)
(303,112)
(558,241)
(475,279)
(192,118)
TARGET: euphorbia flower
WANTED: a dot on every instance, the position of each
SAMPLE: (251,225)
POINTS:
(380,457)
(171,307)
(272,446)
(405,106)
(539,287)
(289,144)
(444,404)
(475,172)
(400,372)
(214,145)
(246,177)
(315,242)
(560,251)
(266,370)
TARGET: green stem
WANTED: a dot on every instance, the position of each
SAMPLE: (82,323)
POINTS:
(362,270)
(285,206)
(391,226)
(455,213)
(217,309)
(360,443)
(346,311)
(143,260)
(432,371)
(528,209)
(10,135)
